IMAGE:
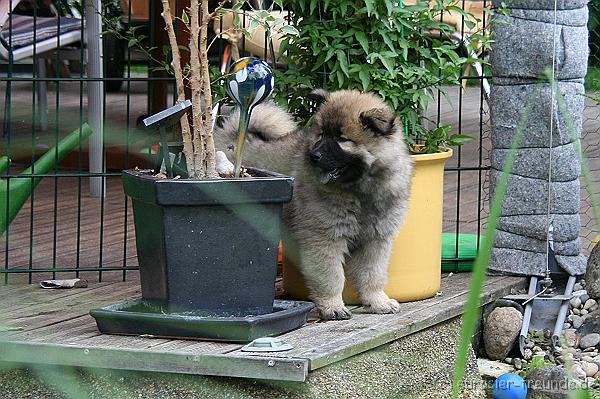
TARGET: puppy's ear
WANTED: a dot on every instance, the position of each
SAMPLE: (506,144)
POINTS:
(378,120)
(319,96)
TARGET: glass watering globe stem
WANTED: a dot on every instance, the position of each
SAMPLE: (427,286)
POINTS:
(243,128)
(249,82)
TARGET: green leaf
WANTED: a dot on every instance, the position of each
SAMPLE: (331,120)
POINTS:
(363,75)
(254,23)
(185,18)
(370,6)
(471,312)
(361,37)
(459,139)
(290,30)
(343,60)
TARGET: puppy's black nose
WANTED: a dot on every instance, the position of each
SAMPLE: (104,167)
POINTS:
(315,156)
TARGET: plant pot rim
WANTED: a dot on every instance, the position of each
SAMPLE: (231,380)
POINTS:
(262,175)
(267,187)
(445,153)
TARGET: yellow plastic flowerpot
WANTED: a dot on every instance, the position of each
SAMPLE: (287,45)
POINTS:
(415,265)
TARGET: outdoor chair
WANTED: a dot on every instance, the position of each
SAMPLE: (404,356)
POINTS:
(23,36)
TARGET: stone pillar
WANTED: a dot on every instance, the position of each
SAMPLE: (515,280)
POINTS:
(522,51)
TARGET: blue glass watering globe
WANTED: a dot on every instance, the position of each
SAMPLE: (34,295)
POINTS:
(249,81)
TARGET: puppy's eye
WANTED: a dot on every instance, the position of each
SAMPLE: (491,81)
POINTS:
(343,139)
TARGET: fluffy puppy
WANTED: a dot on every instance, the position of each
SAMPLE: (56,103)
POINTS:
(352,175)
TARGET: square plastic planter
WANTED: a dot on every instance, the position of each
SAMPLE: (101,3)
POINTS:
(208,245)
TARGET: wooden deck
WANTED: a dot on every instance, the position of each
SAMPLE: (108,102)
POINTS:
(54,327)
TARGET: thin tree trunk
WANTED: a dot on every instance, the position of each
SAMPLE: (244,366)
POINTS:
(209,145)
(188,147)
(196,85)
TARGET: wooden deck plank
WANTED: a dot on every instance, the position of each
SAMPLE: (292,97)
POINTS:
(146,360)
(49,313)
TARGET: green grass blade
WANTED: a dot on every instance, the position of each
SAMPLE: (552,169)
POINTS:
(481,263)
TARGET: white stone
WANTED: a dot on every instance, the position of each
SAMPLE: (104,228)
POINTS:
(590,368)
(589,303)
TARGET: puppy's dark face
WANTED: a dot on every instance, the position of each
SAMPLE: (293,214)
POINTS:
(345,132)
(327,154)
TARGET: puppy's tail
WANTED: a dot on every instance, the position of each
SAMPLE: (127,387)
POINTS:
(270,142)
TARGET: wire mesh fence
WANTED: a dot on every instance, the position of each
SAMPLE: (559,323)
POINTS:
(60,228)
(591,128)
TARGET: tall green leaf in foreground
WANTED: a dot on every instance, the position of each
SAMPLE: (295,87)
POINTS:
(480,266)
(481,263)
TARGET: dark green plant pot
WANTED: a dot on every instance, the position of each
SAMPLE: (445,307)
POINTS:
(208,245)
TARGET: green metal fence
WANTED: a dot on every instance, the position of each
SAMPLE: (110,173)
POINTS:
(63,229)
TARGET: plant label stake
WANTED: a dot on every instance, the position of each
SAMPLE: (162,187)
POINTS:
(165,119)
(249,82)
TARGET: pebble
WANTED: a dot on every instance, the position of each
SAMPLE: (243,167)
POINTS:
(578,286)
(578,372)
(576,311)
(567,325)
(584,297)
(589,340)
(518,363)
(566,357)
(571,338)
(527,354)
(575,302)
(529,344)
(576,321)
(587,358)
(590,368)
(589,303)
(593,308)
(558,350)
(508,360)
(579,292)
(547,333)
(536,349)
(583,312)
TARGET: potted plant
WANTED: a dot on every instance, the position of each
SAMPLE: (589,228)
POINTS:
(401,52)
(206,243)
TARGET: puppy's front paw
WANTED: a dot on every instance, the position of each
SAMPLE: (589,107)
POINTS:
(335,314)
(382,304)
(333,311)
